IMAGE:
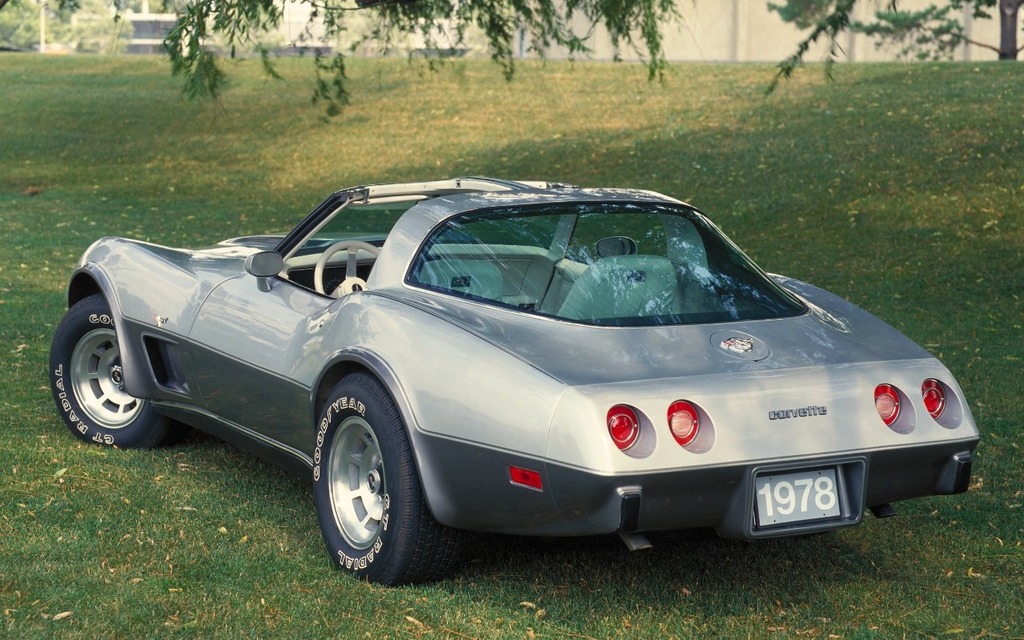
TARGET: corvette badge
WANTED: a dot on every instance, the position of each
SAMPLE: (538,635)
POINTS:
(738,345)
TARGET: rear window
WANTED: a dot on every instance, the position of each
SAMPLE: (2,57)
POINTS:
(616,264)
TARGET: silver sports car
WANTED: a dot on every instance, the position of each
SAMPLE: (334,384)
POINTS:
(525,358)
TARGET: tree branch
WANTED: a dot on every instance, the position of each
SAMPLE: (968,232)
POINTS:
(830,27)
(983,45)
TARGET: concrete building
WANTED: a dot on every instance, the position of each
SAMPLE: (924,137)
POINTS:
(709,30)
(747,31)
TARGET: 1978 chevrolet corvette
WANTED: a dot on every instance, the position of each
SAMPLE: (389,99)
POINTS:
(526,358)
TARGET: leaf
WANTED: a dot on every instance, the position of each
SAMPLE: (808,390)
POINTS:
(414,621)
(60,473)
(62,615)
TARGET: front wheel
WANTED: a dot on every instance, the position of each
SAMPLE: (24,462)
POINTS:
(370,505)
(87,382)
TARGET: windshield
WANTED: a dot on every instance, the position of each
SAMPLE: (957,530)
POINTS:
(350,235)
(616,264)
(355,221)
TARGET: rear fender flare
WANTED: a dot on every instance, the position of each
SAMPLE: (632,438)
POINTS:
(350,360)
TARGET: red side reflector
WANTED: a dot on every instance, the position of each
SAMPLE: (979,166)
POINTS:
(526,478)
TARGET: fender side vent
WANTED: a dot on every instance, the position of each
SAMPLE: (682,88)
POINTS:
(165,363)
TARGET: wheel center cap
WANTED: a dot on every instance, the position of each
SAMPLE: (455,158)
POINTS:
(373,481)
(117,376)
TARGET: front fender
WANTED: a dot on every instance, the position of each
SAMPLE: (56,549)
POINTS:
(90,278)
(152,291)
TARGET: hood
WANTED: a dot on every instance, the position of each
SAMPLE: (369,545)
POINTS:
(246,244)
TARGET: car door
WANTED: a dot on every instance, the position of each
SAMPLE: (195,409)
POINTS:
(257,354)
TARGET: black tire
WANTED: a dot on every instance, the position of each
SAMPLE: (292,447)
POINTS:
(88,384)
(370,505)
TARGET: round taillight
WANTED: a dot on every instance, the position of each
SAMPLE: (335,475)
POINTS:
(934,396)
(623,426)
(683,422)
(887,403)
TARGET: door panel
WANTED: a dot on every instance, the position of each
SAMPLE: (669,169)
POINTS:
(256,356)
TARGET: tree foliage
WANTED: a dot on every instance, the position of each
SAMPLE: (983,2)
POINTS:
(209,29)
(930,33)
(827,20)
(96,29)
(934,32)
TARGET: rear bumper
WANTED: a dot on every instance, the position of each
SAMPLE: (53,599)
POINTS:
(476,493)
(723,498)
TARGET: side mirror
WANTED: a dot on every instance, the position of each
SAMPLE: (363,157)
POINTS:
(264,265)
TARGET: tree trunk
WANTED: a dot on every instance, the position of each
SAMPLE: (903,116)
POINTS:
(1008,10)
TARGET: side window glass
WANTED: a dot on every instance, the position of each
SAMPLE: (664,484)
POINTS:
(500,258)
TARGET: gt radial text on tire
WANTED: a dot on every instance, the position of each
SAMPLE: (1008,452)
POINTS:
(87,381)
(370,505)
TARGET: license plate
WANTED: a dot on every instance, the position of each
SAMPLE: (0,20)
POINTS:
(784,498)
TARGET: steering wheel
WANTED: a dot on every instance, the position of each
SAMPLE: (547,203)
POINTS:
(352,282)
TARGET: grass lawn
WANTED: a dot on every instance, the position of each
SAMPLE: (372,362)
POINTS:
(899,187)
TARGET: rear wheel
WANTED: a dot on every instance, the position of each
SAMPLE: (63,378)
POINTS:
(370,505)
(87,381)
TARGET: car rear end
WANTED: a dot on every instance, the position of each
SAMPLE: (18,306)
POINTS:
(760,453)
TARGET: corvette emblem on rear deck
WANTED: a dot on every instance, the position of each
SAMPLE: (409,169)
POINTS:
(159,320)
(738,345)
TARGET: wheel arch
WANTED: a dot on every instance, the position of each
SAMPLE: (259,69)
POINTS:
(435,490)
(89,280)
(85,283)
(331,376)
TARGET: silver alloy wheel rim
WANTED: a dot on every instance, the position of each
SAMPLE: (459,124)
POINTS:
(98,380)
(356,482)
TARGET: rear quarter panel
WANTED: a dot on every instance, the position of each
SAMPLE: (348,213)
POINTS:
(471,410)
(454,384)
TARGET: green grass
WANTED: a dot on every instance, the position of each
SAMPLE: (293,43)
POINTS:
(899,187)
